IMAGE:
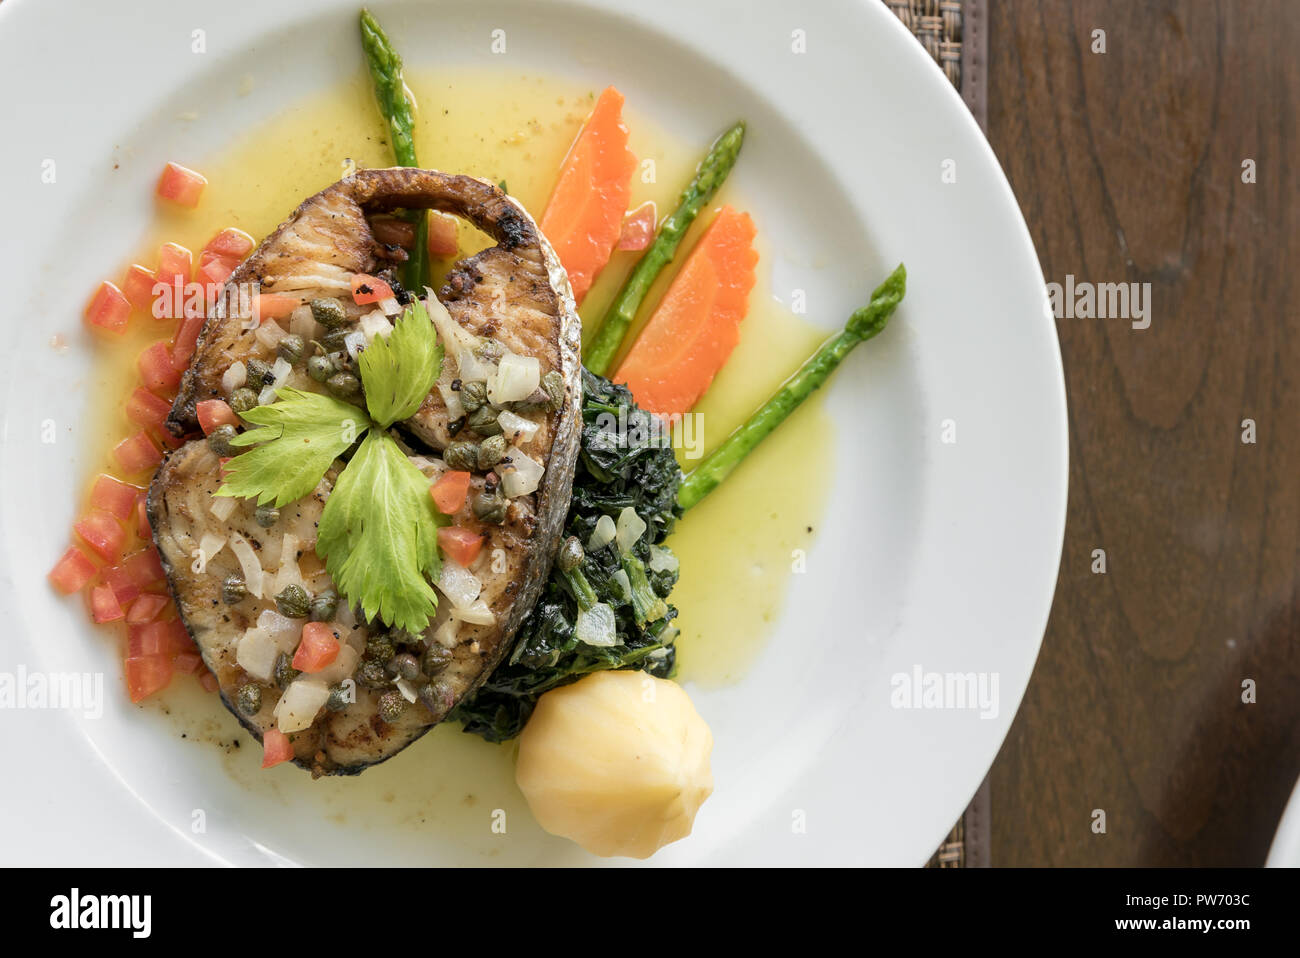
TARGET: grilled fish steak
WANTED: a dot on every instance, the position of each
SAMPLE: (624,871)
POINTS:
(514,295)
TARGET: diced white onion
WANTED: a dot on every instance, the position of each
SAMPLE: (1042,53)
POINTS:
(302,323)
(471,369)
(281,370)
(300,703)
(355,343)
(289,573)
(284,631)
(454,337)
(595,626)
(603,534)
(342,667)
(476,614)
(346,618)
(375,323)
(516,378)
(445,634)
(269,333)
(624,583)
(662,559)
(516,428)
(458,584)
(209,546)
(222,507)
(630,528)
(236,375)
(248,563)
(390,305)
(521,475)
(451,399)
(256,654)
(407,689)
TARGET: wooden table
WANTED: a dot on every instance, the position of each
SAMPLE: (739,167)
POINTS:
(1128,165)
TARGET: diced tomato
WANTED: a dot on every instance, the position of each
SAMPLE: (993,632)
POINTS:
(114,495)
(444,235)
(449,492)
(119,580)
(147,640)
(394,232)
(186,341)
(104,606)
(276,747)
(231,244)
(108,309)
(208,681)
(638,227)
(144,567)
(142,527)
(137,454)
(174,264)
(146,675)
(146,608)
(369,289)
(187,663)
(73,570)
(274,305)
(181,185)
(102,533)
(214,270)
(213,413)
(147,410)
(319,647)
(460,544)
(157,371)
(138,286)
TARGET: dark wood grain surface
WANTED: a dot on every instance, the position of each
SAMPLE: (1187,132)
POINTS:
(1128,166)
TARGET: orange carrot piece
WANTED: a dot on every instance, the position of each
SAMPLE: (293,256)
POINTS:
(697,323)
(584,215)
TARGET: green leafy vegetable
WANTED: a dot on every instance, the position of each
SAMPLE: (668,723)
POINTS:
(399,369)
(297,439)
(379,535)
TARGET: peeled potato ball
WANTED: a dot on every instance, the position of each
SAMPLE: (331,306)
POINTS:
(618,762)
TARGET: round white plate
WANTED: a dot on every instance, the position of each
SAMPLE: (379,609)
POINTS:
(941,556)
(1285,850)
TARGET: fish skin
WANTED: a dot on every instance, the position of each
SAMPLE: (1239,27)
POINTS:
(314,253)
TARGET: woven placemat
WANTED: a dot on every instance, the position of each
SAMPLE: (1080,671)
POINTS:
(953,33)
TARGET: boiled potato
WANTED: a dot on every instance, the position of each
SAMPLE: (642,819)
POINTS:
(618,762)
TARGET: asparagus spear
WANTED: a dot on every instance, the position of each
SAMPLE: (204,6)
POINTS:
(390,90)
(862,325)
(713,169)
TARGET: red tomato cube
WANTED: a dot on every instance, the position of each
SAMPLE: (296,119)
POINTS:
(119,580)
(157,371)
(444,235)
(103,534)
(114,495)
(138,287)
(460,544)
(208,681)
(274,305)
(187,663)
(230,244)
(369,289)
(213,413)
(187,340)
(319,647)
(215,270)
(146,675)
(104,606)
(108,309)
(144,567)
(450,490)
(147,410)
(73,570)
(137,454)
(142,527)
(276,747)
(146,608)
(181,185)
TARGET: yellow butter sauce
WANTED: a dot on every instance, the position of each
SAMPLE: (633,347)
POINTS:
(735,549)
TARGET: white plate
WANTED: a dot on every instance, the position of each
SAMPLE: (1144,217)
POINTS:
(941,555)
(1285,850)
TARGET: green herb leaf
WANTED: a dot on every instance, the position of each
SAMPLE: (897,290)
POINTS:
(299,436)
(399,369)
(379,535)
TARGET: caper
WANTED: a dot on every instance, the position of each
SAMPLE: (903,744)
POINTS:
(380,648)
(461,456)
(371,674)
(473,395)
(324,606)
(320,368)
(243,399)
(233,590)
(328,312)
(490,507)
(483,421)
(553,383)
(284,670)
(437,697)
(339,699)
(291,348)
(335,340)
(436,658)
(259,373)
(489,351)
(219,440)
(343,385)
(491,451)
(293,601)
(405,665)
(267,515)
(391,706)
(571,554)
(249,698)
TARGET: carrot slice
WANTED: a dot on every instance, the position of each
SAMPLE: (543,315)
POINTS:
(584,215)
(697,323)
